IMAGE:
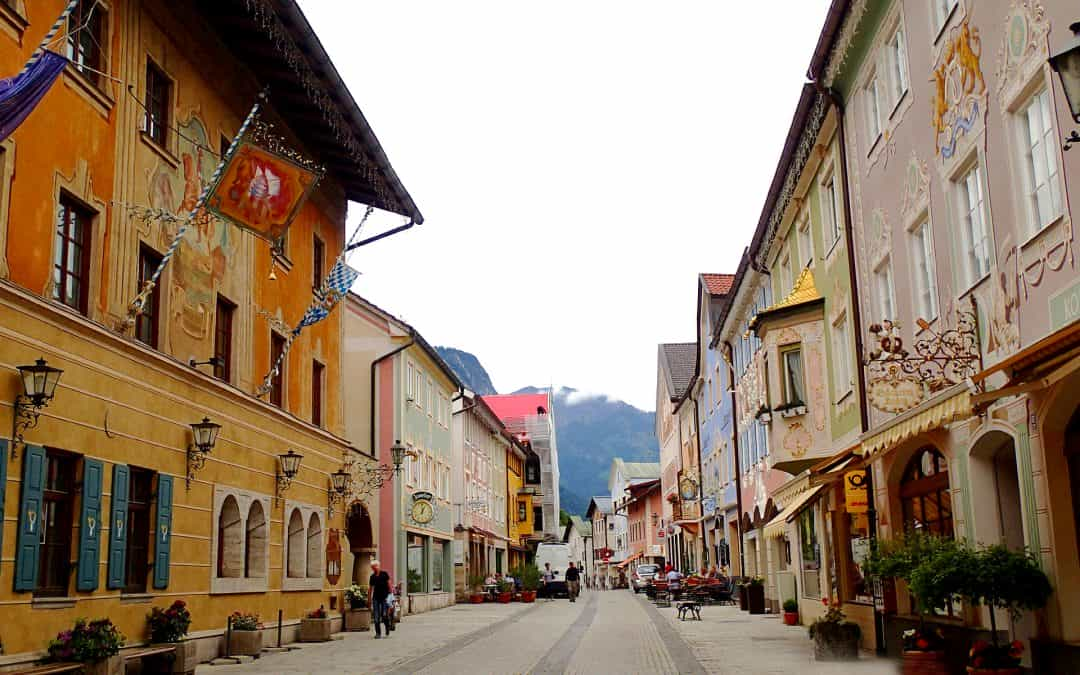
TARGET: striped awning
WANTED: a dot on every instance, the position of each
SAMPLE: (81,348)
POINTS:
(776,527)
(952,405)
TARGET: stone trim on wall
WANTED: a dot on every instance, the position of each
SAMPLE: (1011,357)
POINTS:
(306,582)
(241,584)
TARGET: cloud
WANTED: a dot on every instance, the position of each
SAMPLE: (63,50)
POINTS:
(575,397)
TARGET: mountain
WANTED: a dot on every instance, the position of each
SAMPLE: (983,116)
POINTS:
(468,368)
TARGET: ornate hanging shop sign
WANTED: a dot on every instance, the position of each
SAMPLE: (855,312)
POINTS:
(899,380)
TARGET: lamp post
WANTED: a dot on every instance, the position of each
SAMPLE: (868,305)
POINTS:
(288,467)
(375,477)
(204,435)
(340,482)
(1066,63)
(39,386)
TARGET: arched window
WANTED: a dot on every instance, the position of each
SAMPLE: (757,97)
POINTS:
(924,493)
(296,545)
(532,469)
(255,543)
(230,545)
(314,547)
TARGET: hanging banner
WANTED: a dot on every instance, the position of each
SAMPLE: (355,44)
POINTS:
(855,498)
(337,284)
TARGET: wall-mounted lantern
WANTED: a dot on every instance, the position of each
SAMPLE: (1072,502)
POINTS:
(1066,64)
(204,435)
(340,482)
(375,477)
(288,467)
(39,386)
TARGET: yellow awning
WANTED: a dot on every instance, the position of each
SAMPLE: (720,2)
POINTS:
(776,527)
(954,404)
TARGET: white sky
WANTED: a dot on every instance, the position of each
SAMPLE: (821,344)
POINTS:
(577,165)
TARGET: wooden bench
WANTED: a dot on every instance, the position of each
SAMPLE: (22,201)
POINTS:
(49,668)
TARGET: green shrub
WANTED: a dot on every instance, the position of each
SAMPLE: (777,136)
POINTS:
(791,605)
(86,642)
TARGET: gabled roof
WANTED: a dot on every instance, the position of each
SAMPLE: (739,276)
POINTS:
(516,406)
(599,503)
(718,284)
(804,292)
(632,471)
(583,528)
(678,361)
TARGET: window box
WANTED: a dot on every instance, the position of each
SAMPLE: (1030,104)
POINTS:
(245,642)
(793,409)
(315,630)
(358,619)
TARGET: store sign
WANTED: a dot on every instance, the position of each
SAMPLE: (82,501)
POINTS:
(661,533)
(895,392)
(1065,306)
(855,498)
(333,557)
(655,549)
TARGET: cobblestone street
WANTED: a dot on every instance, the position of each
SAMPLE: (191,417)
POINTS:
(604,632)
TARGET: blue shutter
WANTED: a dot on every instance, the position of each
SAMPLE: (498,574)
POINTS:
(163,531)
(28,543)
(86,579)
(118,533)
(3,488)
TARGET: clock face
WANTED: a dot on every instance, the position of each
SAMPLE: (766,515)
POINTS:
(422,512)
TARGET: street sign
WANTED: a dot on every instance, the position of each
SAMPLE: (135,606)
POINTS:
(661,533)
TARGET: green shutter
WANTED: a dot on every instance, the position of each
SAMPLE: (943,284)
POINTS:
(3,488)
(28,543)
(163,532)
(86,579)
(118,533)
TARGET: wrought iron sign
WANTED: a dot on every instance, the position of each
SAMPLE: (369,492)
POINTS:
(898,379)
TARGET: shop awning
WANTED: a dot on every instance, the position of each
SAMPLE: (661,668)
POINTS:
(776,527)
(952,404)
(629,560)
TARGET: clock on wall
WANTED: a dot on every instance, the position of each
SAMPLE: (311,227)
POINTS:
(423,510)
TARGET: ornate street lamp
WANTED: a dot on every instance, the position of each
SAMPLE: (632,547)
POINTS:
(375,477)
(1067,65)
(340,482)
(397,455)
(288,467)
(39,386)
(204,435)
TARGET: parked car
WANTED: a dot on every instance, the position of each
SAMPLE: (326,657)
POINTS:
(642,575)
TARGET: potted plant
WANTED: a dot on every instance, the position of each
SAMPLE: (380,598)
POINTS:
(530,581)
(835,638)
(476,583)
(755,595)
(245,638)
(315,627)
(1002,578)
(168,627)
(506,592)
(742,588)
(96,643)
(791,612)
(357,613)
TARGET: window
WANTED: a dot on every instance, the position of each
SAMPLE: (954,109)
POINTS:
(416,567)
(1039,146)
(255,542)
(318,261)
(897,59)
(437,565)
(538,518)
(71,270)
(942,10)
(137,556)
(277,382)
(295,552)
(522,514)
(223,332)
(842,345)
(314,547)
(147,324)
(873,110)
(318,382)
(922,253)
(230,550)
(886,297)
(973,228)
(430,397)
(811,553)
(806,244)
(785,274)
(924,494)
(158,101)
(57,509)
(793,389)
(86,39)
(830,209)
(532,469)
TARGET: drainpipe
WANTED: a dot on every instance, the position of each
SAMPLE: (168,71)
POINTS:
(374,364)
(701,477)
(738,467)
(856,325)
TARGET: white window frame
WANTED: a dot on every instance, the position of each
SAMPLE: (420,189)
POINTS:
(842,352)
(972,235)
(885,290)
(830,209)
(875,113)
(921,237)
(896,58)
(806,242)
(942,10)
(785,274)
(1026,154)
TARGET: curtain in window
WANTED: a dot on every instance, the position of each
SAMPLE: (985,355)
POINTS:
(795,385)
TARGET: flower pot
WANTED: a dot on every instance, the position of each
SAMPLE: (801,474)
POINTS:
(791,618)
(358,619)
(841,644)
(114,665)
(528,596)
(185,659)
(744,598)
(315,630)
(924,663)
(476,598)
(504,598)
(755,598)
(245,642)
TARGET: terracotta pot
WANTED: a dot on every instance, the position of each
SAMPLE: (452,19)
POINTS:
(358,619)
(245,642)
(315,630)
(924,663)
(187,657)
(476,598)
(528,596)
(114,665)
(504,598)
(791,618)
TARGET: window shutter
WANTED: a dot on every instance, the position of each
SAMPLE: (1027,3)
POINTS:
(3,486)
(28,546)
(90,526)
(163,532)
(118,533)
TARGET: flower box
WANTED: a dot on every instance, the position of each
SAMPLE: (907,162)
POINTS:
(793,411)
(528,596)
(114,665)
(476,598)
(245,642)
(185,659)
(357,619)
(917,662)
(315,630)
(505,598)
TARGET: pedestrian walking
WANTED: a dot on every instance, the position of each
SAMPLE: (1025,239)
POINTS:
(674,581)
(380,593)
(573,582)
(549,577)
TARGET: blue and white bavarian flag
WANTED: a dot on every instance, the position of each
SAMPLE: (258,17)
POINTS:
(334,288)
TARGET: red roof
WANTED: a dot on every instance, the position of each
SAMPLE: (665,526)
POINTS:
(516,406)
(718,284)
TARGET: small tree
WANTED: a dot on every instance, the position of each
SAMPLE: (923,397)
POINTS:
(1004,578)
(476,582)
(530,577)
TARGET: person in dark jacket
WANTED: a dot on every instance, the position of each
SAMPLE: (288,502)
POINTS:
(379,592)
(573,582)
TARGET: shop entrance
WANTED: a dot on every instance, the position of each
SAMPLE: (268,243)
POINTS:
(361,542)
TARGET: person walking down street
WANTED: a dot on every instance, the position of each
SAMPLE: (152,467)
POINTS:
(549,577)
(674,581)
(380,592)
(573,582)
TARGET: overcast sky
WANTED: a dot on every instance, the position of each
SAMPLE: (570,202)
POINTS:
(577,165)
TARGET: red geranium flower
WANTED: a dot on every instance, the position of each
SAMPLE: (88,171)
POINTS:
(922,643)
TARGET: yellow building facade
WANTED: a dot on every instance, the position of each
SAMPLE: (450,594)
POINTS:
(519,520)
(101,483)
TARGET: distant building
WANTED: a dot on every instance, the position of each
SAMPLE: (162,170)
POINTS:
(621,477)
(599,516)
(676,431)
(578,534)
